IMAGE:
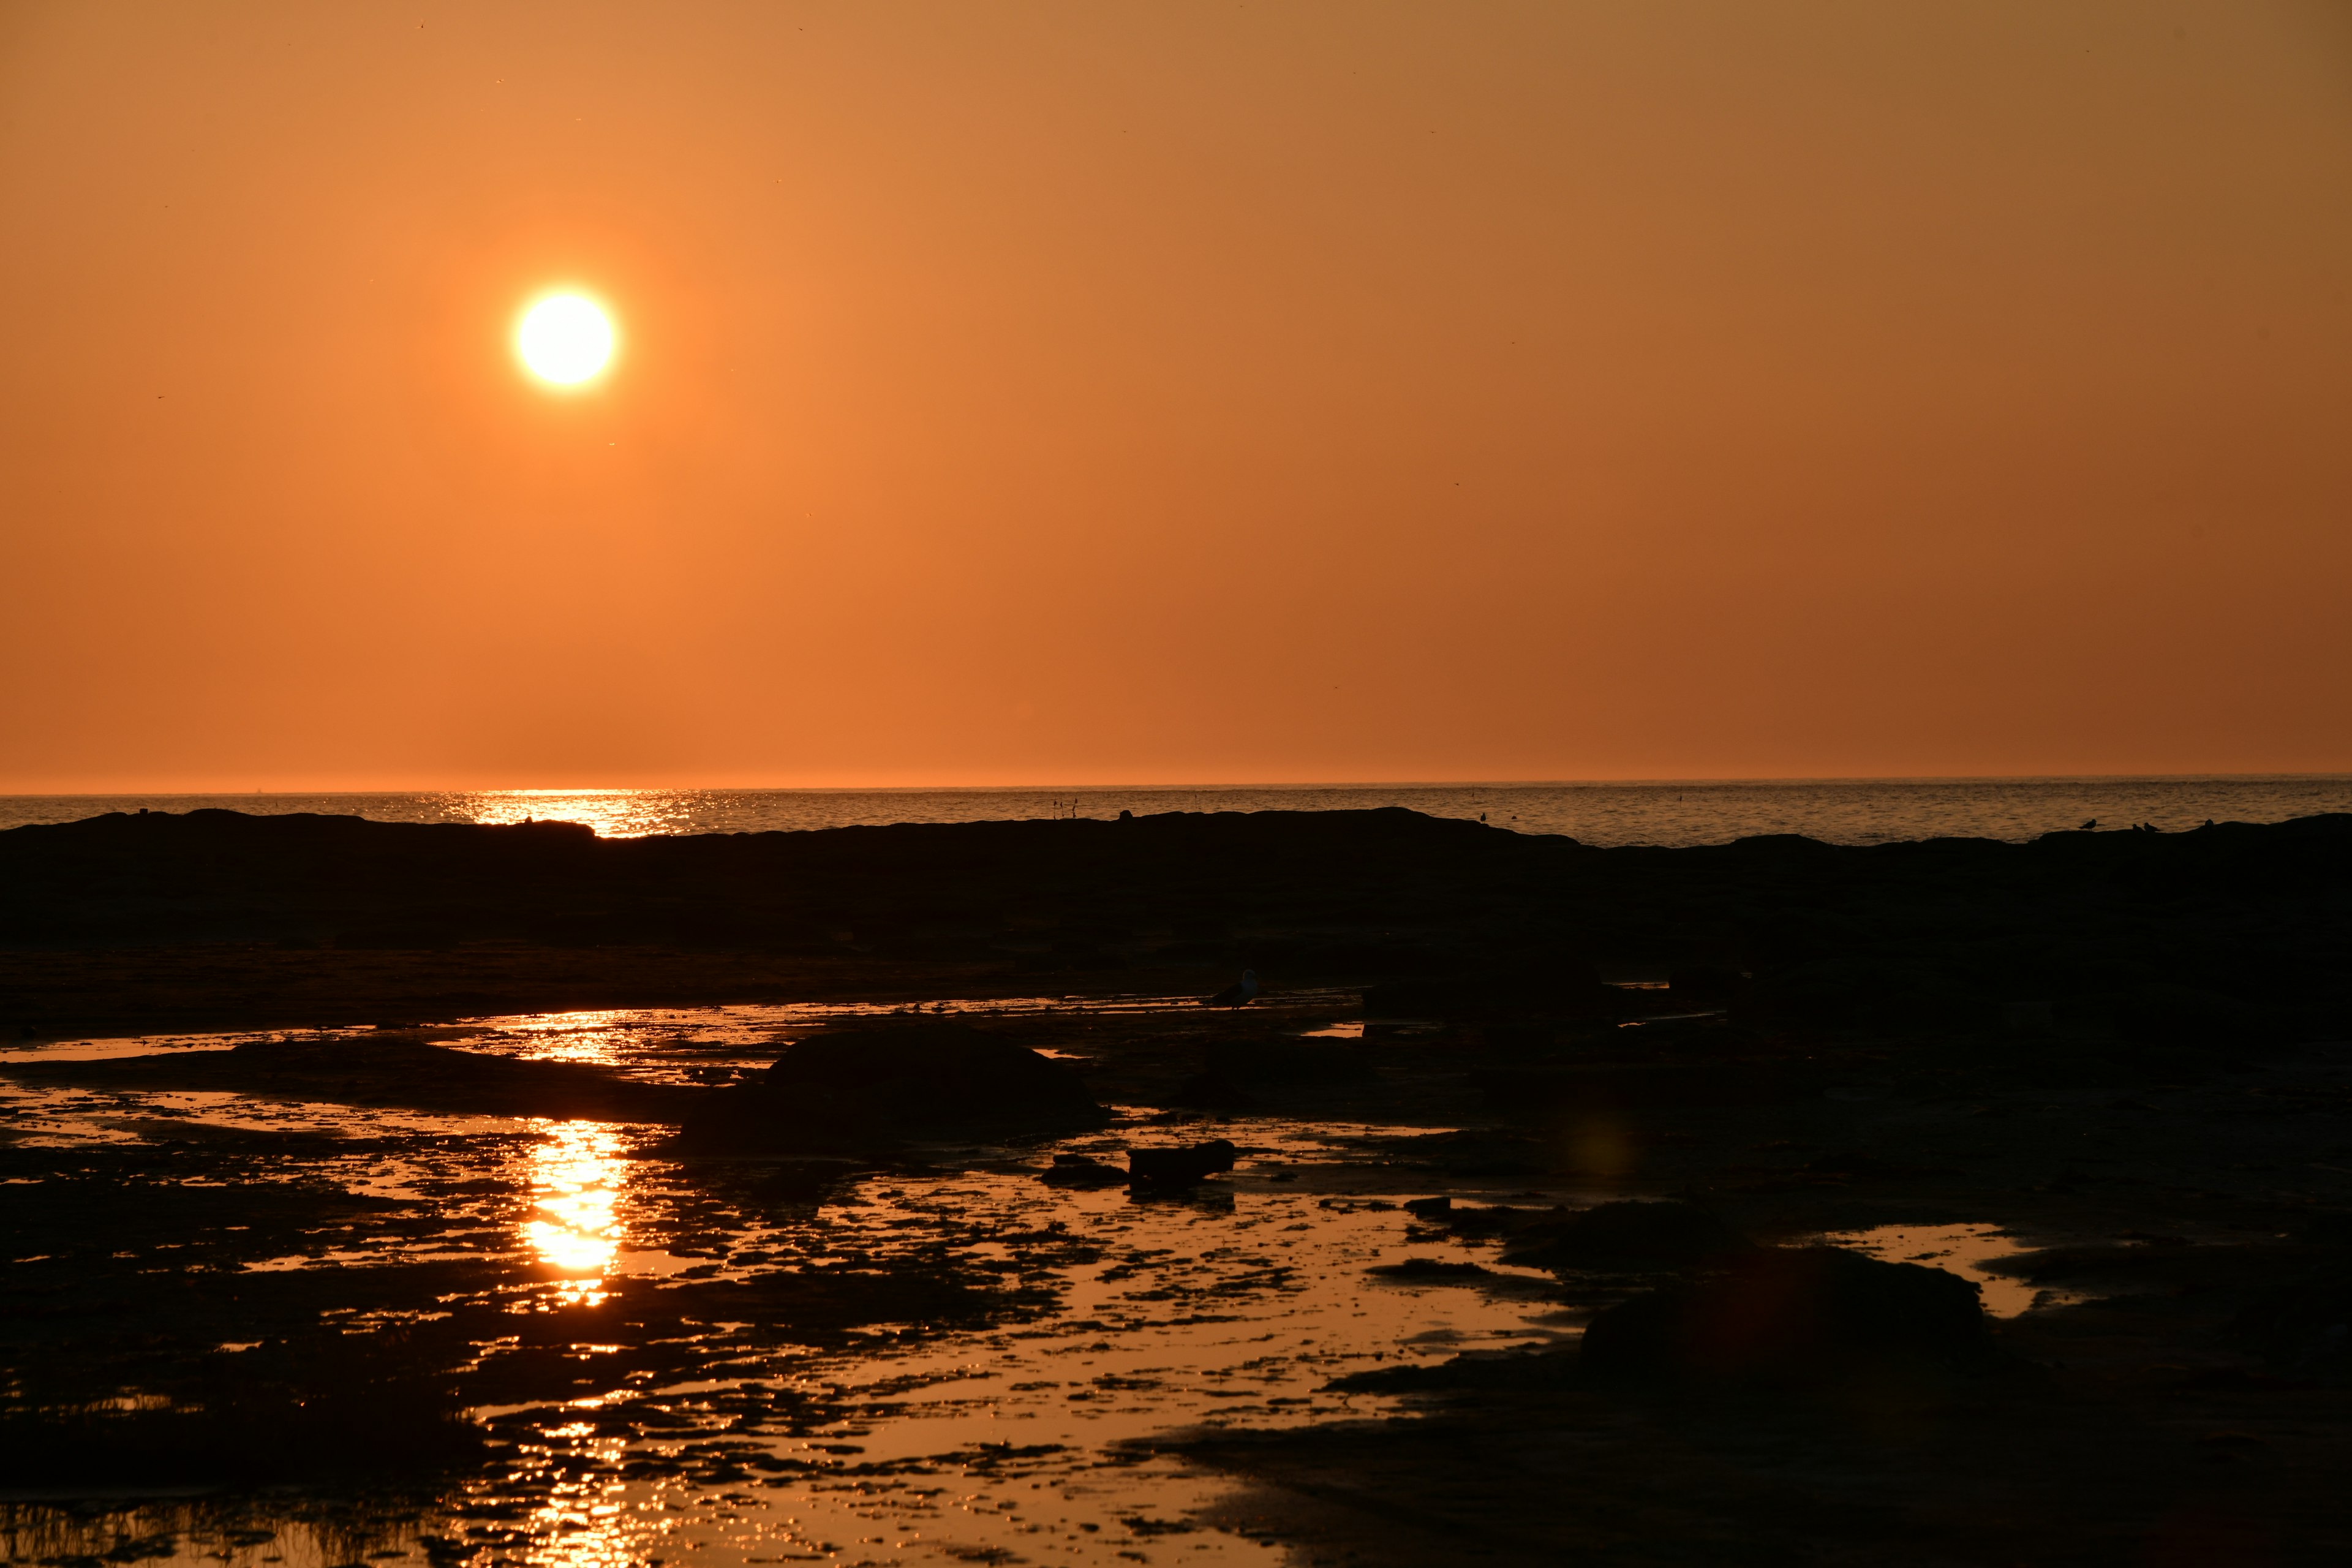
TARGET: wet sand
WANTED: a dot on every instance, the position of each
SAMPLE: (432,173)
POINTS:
(449,1291)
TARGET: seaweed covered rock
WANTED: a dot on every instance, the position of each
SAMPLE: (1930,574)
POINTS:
(1630,1236)
(1778,1314)
(881,1084)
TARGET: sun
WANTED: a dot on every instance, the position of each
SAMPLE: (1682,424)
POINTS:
(564,338)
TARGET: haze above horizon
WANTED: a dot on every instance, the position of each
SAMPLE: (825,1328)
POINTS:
(987,396)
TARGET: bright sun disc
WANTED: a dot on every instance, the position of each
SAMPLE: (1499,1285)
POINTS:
(564,338)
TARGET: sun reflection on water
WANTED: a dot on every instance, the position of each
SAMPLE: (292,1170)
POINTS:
(576,1177)
(583,1036)
(613,813)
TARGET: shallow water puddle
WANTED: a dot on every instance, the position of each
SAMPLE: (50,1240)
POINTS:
(1964,1250)
(987,1407)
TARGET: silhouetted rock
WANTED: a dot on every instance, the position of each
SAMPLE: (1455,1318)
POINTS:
(1083,1171)
(242,922)
(917,1079)
(1180,1167)
(1630,1236)
(1798,1312)
(1431,1268)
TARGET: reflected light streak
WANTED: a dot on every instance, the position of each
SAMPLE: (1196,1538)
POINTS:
(584,1037)
(613,813)
(576,1178)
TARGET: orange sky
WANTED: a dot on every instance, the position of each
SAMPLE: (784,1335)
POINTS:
(1127,393)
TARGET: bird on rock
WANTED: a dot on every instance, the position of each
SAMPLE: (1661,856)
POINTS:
(1233,995)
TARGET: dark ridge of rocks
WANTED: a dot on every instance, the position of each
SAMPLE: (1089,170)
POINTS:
(382,1071)
(888,1083)
(1790,1313)
(2175,947)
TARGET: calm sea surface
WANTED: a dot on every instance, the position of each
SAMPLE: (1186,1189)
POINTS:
(1840,811)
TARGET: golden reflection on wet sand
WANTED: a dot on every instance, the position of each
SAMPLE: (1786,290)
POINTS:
(576,1178)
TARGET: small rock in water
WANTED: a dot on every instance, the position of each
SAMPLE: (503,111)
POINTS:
(1083,1171)
(1180,1167)
(1431,1268)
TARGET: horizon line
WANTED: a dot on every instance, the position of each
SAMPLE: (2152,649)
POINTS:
(1655,782)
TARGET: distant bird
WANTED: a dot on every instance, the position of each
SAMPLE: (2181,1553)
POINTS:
(1233,995)
(2089,825)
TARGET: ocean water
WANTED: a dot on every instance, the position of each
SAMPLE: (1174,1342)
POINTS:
(1837,811)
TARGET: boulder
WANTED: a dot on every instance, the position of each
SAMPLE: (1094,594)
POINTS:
(1792,1314)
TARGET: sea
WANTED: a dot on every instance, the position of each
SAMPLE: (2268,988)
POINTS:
(1666,812)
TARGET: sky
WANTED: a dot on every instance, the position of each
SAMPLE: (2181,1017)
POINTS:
(1113,392)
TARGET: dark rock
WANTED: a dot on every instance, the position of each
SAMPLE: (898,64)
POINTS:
(917,1079)
(1180,1167)
(1083,1171)
(1431,1268)
(1499,1219)
(1799,1312)
(1512,1371)
(1630,1236)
